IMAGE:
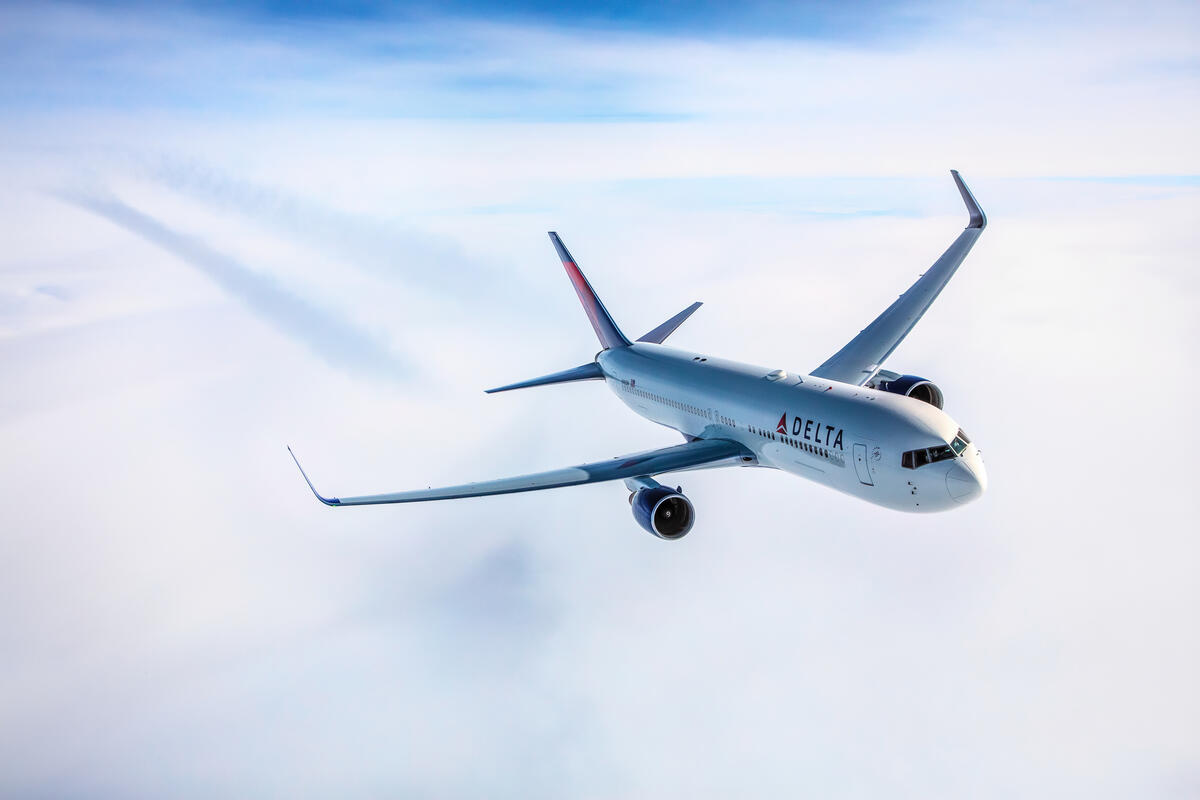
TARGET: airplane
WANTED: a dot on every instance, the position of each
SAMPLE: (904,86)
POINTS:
(877,435)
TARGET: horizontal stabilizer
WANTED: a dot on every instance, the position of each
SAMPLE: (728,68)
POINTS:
(584,372)
(667,328)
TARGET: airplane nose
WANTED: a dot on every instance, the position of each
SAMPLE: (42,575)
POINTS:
(963,484)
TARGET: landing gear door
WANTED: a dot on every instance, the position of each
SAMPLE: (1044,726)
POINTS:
(860,464)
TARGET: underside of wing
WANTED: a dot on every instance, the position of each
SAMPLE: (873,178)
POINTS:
(863,355)
(691,455)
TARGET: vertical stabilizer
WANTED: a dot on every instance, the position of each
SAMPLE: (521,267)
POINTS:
(606,330)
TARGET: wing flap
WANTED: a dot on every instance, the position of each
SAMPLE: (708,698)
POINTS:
(691,455)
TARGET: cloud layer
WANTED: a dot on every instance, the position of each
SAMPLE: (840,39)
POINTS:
(180,617)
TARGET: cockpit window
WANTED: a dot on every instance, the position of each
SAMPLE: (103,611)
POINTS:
(915,459)
(963,435)
(958,445)
(943,453)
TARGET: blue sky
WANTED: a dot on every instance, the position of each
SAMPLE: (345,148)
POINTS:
(816,20)
(227,231)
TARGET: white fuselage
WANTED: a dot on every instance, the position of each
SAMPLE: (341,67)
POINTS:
(847,437)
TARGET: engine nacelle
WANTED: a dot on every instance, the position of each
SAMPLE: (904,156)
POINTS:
(910,386)
(664,512)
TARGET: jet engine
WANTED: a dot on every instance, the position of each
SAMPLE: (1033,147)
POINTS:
(664,512)
(910,386)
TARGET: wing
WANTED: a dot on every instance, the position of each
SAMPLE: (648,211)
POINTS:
(861,358)
(692,455)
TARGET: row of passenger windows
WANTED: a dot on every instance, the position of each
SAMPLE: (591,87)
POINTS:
(762,433)
(666,401)
(789,441)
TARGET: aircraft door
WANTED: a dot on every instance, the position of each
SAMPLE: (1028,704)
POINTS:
(860,464)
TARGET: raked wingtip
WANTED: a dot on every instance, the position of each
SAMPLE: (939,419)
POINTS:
(329,501)
(978,218)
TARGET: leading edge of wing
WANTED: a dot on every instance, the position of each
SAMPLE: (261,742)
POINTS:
(863,355)
(690,455)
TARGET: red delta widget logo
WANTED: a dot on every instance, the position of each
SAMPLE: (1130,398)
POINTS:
(811,430)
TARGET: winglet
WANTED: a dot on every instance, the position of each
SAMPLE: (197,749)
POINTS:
(978,219)
(329,501)
(602,322)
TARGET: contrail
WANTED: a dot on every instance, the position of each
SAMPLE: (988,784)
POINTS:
(429,261)
(332,339)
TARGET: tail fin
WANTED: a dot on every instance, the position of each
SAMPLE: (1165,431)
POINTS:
(606,330)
